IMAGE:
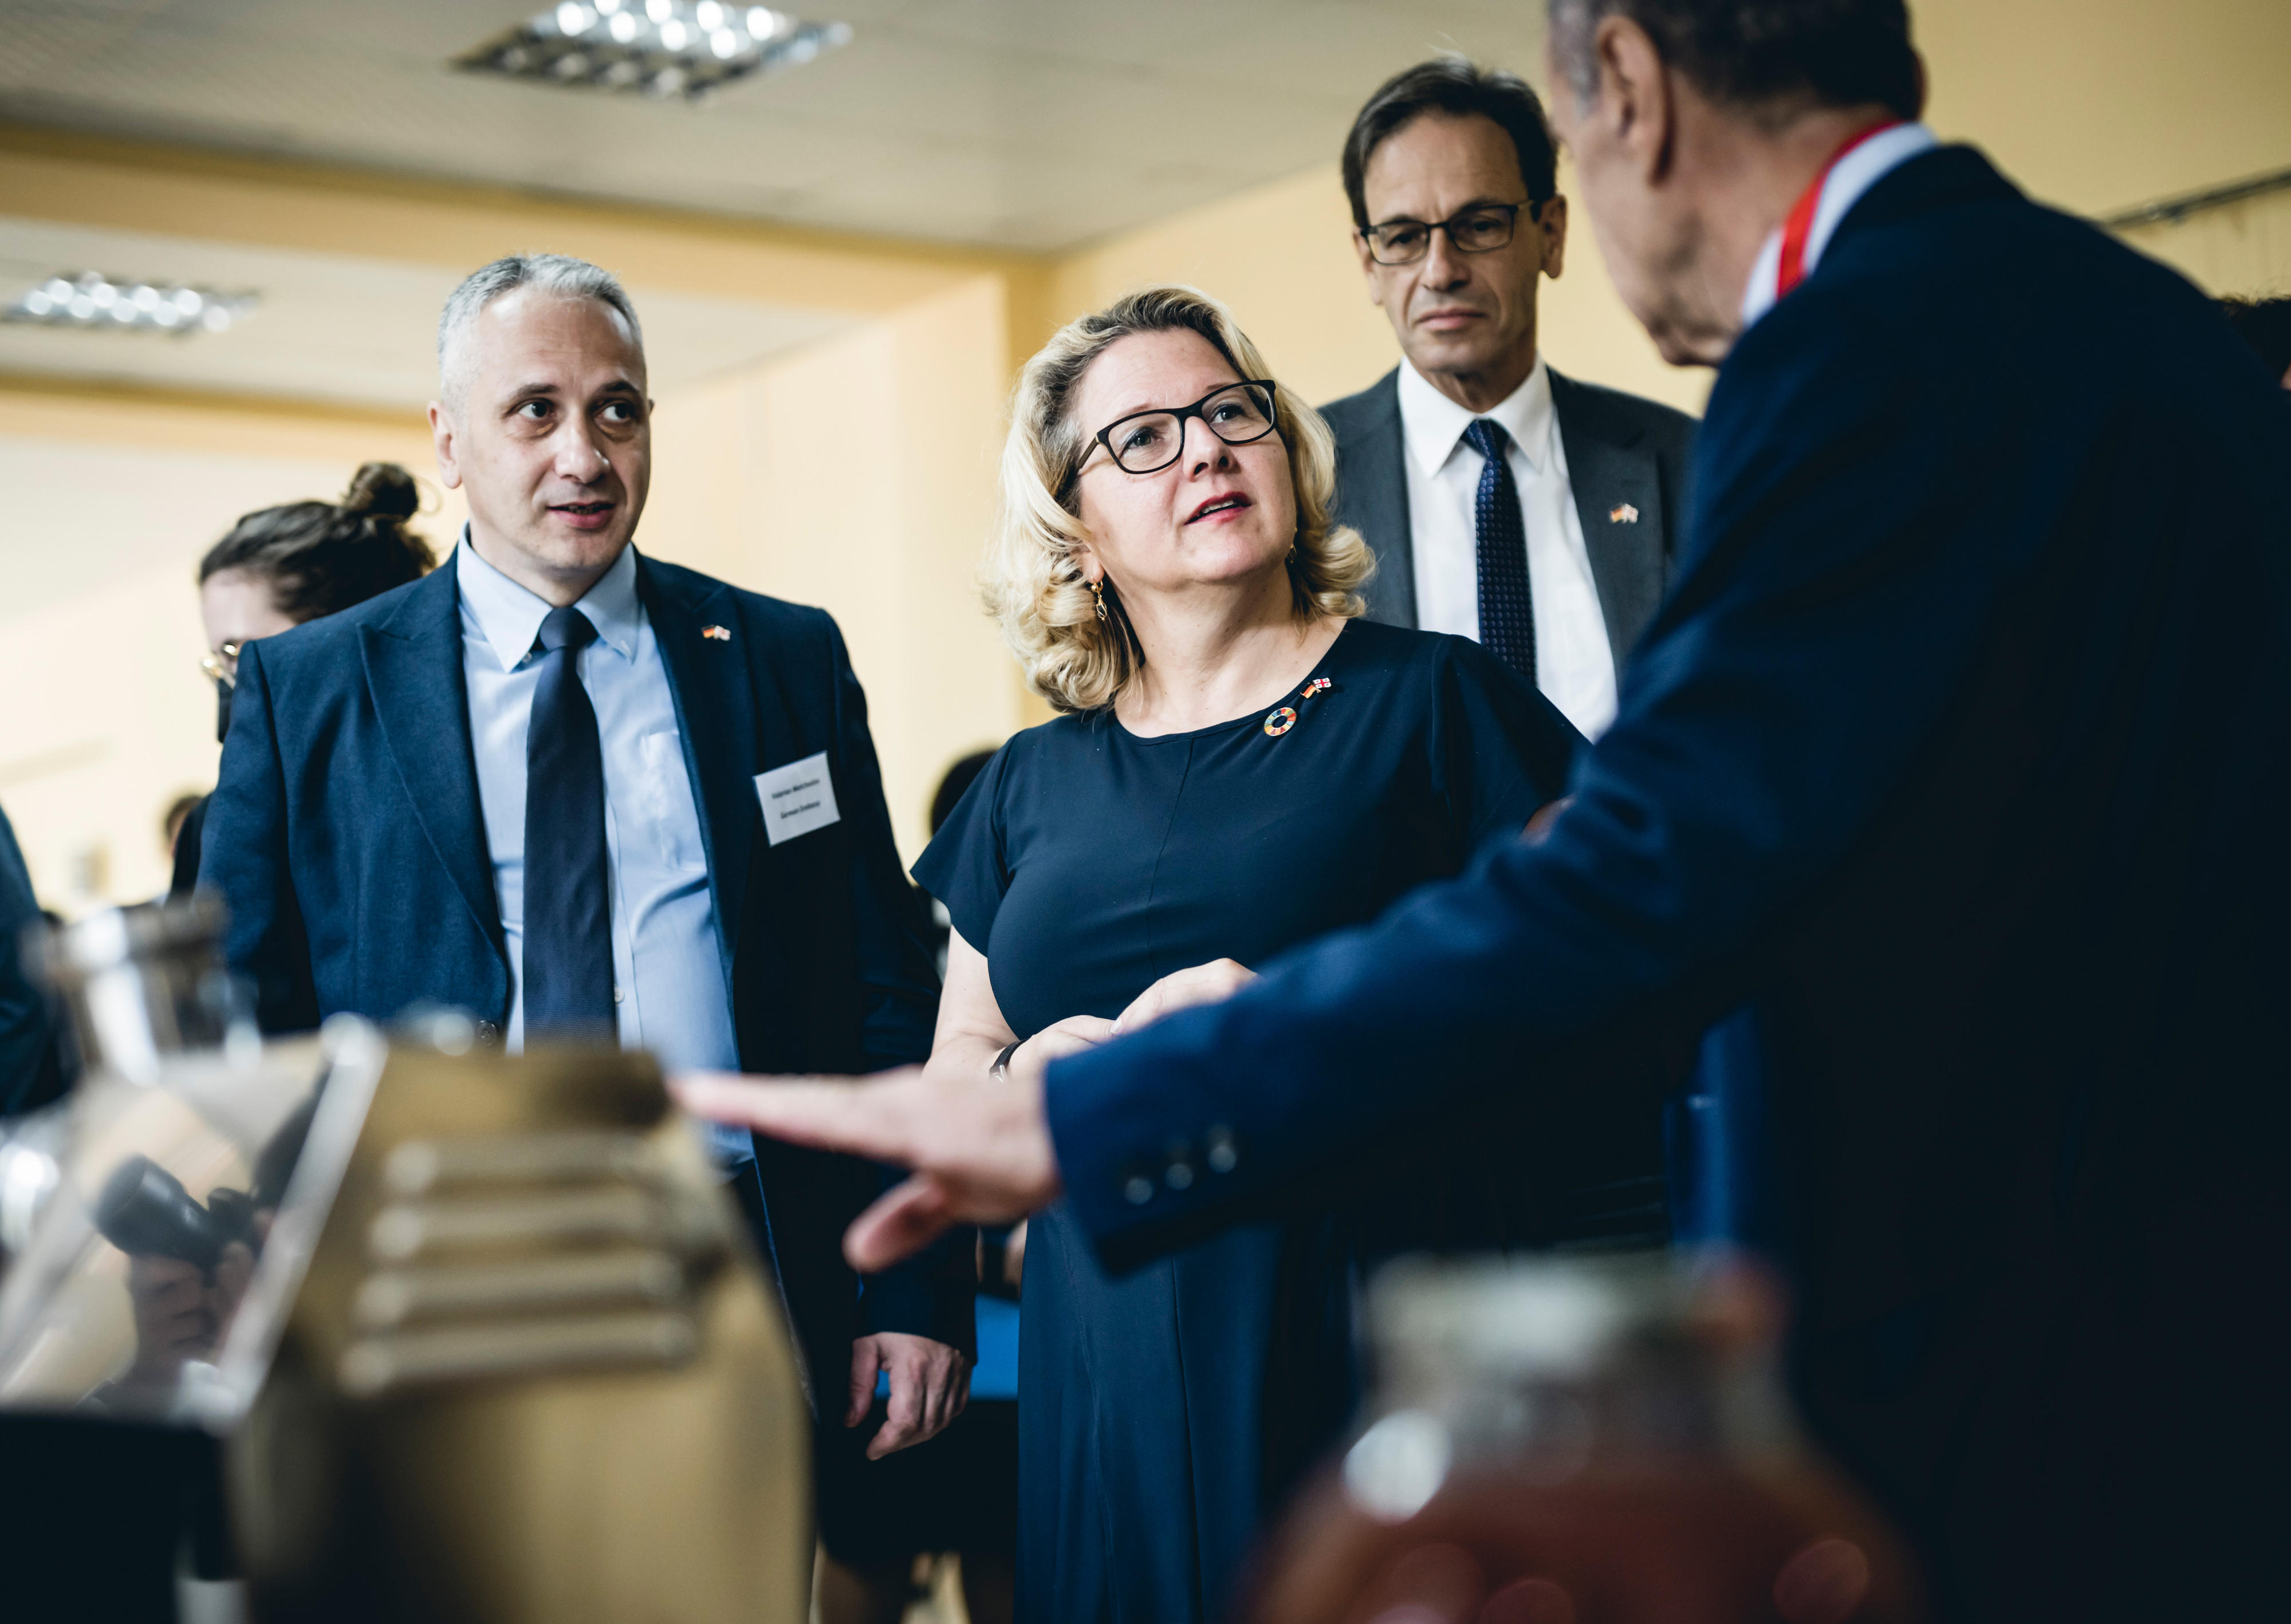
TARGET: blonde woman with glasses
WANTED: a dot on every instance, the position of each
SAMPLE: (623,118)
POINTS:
(1242,764)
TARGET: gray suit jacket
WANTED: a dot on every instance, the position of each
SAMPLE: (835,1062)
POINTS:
(1624,453)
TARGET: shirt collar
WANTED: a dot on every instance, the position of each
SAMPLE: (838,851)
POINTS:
(509,615)
(1432,424)
(1854,174)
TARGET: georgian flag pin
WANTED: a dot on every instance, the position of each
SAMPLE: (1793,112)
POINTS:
(1622,513)
(723,634)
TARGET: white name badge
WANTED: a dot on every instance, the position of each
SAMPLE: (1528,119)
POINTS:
(798,798)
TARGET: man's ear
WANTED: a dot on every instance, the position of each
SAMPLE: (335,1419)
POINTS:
(1367,268)
(1635,93)
(1553,217)
(445,436)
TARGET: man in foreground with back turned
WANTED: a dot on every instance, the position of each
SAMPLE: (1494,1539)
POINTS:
(1959,748)
(583,794)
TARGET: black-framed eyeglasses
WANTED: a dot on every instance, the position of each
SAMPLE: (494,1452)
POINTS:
(1478,230)
(1144,442)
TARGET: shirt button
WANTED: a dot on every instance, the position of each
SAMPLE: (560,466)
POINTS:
(1138,1191)
(616,994)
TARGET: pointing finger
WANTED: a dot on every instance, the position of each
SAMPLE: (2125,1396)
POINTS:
(864,1118)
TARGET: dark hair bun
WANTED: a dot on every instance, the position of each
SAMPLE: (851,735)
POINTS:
(320,558)
(382,488)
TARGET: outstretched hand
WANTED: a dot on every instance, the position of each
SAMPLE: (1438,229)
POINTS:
(979,1145)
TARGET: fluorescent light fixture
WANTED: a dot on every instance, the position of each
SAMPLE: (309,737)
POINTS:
(90,299)
(661,48)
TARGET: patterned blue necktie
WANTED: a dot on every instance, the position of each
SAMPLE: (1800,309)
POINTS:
(1507,605)
(569,934)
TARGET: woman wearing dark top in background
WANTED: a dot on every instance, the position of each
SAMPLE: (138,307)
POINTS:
(1242,765)
(280,566)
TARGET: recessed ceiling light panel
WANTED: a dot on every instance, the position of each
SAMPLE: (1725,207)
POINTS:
(89,298)
(662,48)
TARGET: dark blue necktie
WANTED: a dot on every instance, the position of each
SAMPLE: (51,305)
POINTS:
(1507,605)
(568,932)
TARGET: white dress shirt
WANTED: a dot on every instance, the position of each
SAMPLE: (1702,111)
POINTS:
(669,984)
(1841,188)
(1574,663)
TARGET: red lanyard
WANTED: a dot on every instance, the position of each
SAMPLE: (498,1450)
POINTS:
(1799,226)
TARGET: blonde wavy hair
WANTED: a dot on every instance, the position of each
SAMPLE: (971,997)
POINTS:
(1033,582)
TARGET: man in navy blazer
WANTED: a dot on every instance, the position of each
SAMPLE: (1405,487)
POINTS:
(375,842)
(1959,751)
(1597,477)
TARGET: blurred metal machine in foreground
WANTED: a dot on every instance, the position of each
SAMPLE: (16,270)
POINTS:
(481,1333)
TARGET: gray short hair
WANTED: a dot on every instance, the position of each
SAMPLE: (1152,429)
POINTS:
(560,273)
(1770,58)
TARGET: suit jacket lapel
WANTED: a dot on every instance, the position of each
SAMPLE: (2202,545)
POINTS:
(711,680)
(413,672)
(1618,499)
(1372,497)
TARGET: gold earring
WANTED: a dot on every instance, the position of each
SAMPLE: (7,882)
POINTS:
(1097,590)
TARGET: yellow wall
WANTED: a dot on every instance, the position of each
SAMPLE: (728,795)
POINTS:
(111,502)
(2097,105)
(856,476)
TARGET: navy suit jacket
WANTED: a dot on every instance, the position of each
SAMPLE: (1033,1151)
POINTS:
(345,837)
(1961,749)
(1624,455)
(29,1075)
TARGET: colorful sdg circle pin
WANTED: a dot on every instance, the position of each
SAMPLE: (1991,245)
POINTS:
(1279,722)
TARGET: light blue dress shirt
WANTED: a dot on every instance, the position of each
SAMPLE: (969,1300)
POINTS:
(669,983)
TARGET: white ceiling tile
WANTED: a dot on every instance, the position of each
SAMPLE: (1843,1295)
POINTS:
(975,120)
(331,328)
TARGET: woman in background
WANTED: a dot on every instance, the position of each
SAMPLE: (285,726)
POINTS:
(282,565)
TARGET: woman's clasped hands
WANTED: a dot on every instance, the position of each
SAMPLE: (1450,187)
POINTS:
(978,1142)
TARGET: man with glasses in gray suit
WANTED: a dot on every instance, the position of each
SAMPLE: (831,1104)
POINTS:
(1505,502)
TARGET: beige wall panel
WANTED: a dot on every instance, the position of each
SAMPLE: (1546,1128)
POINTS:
(109,715)
(2097,105)
(858,475)
(1279,255)
(113,497)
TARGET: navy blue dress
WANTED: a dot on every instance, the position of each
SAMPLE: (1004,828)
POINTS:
(1163,1414)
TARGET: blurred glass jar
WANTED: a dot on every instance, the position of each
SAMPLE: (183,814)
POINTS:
(1579,1441)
